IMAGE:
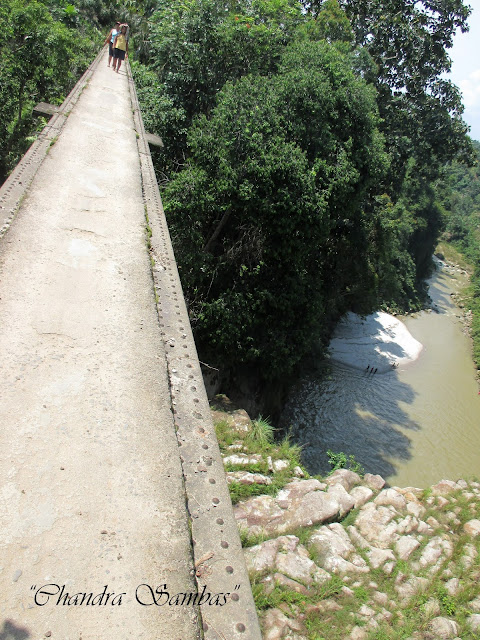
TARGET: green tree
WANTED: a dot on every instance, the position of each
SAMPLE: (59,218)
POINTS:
(267,217)
(197,46)
(40,60)
(409,43)
(460,189)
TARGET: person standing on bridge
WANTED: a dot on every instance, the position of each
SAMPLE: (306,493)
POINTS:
(120,48)
(110,39)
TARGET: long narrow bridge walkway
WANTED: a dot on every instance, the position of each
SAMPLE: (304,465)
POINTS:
(100,389)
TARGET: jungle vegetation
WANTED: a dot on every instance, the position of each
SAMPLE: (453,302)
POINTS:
(461,189)
(304,143)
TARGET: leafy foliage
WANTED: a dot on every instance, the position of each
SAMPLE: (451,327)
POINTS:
(302,148)
(461,201)
(341,460)
(266,216)
(44,49)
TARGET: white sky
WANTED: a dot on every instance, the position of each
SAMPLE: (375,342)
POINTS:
(465,71)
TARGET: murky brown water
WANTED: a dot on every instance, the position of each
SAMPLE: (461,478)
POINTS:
(413,425)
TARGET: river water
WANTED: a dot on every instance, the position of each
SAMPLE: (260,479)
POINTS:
(413,425)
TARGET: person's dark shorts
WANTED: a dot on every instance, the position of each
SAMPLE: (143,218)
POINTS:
(119,54)
(110,49)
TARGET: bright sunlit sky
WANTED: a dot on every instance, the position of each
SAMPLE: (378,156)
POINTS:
(465,71)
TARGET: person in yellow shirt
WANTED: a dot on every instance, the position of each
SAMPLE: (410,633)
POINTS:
(120,48)
(110,38)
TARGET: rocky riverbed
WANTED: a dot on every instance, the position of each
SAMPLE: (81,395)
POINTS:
(347,556)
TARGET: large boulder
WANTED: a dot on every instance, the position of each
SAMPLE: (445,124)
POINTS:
(278,626)
(294,491)
(374,482)
(443,628)
(335,552)
(473,622)
(245,477)
(361,495)
(348,479)
(243,458)
(391,497)
(444,487)
(377,525)
(435,550)
(285,556)
(405,546)
(224,409)
(472,527)
(260,514)
(302,503)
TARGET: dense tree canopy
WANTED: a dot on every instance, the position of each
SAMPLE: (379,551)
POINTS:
(301,153)
(460,188)
(269,206)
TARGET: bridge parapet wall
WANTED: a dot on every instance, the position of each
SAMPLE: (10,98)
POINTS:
(218,555)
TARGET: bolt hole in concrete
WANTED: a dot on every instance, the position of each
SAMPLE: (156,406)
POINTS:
(229,569)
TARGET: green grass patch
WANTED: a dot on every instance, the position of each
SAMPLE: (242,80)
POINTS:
(261,434)
(251,539)
(260,441)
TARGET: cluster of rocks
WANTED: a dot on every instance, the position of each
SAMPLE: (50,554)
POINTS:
(391,525)
(396,544)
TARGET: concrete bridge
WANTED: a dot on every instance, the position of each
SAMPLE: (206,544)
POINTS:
(115,518)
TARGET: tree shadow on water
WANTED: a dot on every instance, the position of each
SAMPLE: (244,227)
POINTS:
(12,631)
(353,411)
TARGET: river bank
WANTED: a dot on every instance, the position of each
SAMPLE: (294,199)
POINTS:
(412,424)
(345,557)
(456,265)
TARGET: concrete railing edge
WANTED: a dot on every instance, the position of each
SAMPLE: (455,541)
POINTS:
(218,556)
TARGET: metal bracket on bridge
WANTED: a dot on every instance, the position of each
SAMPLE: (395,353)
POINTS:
(153,140)
(45,109)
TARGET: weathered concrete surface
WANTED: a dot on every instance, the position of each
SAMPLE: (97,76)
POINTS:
(91,491)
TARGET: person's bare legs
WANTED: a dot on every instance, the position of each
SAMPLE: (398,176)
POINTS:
(119,64)
(114,65)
